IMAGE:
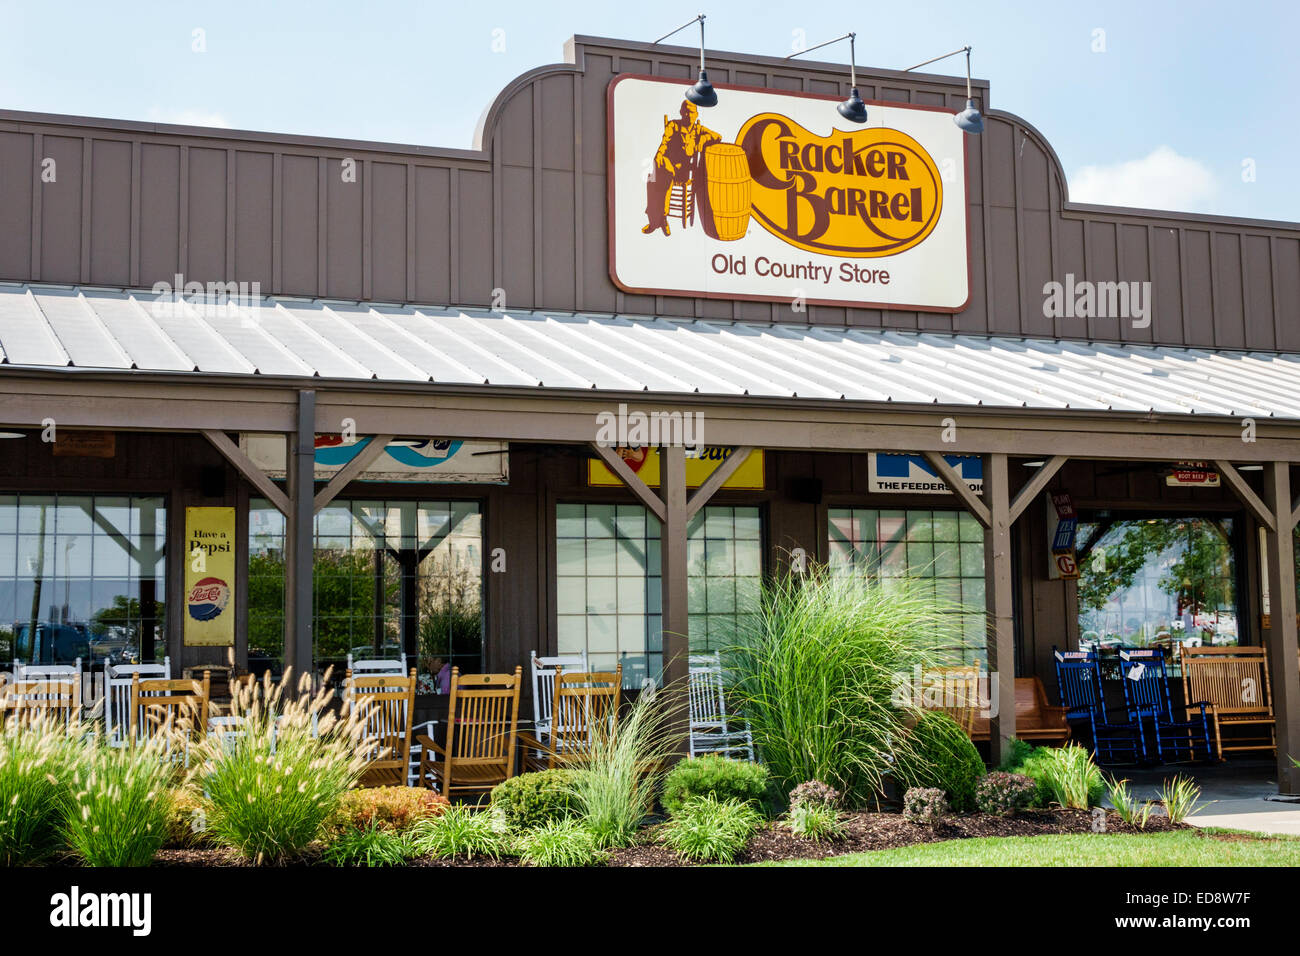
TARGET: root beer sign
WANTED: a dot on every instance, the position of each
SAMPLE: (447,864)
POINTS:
(774,196)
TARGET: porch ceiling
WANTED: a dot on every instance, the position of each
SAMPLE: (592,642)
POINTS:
(314,341)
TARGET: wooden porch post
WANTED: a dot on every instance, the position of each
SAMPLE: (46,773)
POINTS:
(676,629)
(997,596)
(1282,620)
(299,539)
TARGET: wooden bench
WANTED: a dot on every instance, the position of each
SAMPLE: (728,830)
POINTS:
(1036,719)
(1234,682)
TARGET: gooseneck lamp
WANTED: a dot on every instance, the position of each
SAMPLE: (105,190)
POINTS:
(968,120)
(702,93)
(852,109)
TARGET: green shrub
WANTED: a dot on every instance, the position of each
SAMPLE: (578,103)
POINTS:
(1060,772)
(711,830)
(615,792)
(120,805)
(272,789)
(1002,793)
(1181,796)
(815,674)
(938,753)
(1126,806)
(392,808)
(536,799)
(1017,753)
(560,843)
(926,806)
(460,831)
(36,765)
(711,774)
(374,845)
(816,821)
(814,792)
(1065,776)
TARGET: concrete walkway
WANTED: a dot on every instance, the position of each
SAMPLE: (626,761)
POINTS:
(1234,795)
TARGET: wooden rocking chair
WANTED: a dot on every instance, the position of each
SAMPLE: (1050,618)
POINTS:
(482,727)
(52,699)
(386,704)
(176,710)
(581,702)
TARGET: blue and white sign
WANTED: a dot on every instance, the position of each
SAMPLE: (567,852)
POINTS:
(404,459)
(901,474)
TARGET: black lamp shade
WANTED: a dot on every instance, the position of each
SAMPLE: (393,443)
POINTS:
(702,93)
(853,109)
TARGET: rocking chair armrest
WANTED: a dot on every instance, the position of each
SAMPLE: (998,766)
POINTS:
(530,742)
(428,744)
(1204,705)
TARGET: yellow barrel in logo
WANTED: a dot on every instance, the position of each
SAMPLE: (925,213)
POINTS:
(727,172)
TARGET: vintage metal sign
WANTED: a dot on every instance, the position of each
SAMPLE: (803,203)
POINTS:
(894,473)
(209,577)
(775,196)
(699,465)
(424,459)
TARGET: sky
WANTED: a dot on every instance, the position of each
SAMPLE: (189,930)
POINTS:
(1155,103)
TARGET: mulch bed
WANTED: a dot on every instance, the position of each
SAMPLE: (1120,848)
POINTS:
(864,831)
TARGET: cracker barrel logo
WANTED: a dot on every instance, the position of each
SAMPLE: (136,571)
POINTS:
(865,193)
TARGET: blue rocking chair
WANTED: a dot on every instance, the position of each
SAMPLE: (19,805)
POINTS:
(1146,696)
(1078,679)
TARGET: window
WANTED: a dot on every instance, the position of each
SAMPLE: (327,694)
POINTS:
(940,550)
(389,577)
(82,576)
(1158,582)
(724,561)
(608,583)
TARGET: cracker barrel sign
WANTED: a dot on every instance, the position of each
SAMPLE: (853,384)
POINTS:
(774,196)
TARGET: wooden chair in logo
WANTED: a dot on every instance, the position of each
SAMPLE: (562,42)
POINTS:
(482,727)
(385,703)
(1234,684)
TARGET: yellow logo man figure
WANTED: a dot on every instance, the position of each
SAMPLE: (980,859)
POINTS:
(678,157)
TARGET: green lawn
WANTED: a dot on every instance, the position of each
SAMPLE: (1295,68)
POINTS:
(1184,848)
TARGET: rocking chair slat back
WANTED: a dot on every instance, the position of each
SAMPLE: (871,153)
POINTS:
(386,706)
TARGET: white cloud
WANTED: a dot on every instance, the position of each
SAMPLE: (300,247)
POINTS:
(189,117)
(1161,180)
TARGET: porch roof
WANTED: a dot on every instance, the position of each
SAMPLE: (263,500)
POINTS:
(51,326)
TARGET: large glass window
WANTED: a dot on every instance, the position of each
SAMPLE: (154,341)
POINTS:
(608,583)
(82,576)
(390,577)
(1158,582)
(942,551)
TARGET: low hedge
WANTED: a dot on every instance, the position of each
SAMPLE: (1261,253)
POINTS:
(720,777)
(533,800)
(940,754)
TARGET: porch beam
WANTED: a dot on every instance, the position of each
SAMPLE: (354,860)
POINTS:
(998,584)
(1036,484)
(1246,494)
(716,480)
(298,568)
(614,461)
(359,463)
(248,468)
(969,500)
(1282,635)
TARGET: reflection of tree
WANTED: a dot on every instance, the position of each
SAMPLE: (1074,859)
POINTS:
(1199,578)
(451,608)
(124,613)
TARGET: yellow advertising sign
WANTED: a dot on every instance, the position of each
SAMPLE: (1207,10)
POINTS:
(209,577)
(645,462)
(870,192)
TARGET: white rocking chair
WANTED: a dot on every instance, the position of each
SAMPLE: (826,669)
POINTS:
(117,696)
(544,669)
(712,731)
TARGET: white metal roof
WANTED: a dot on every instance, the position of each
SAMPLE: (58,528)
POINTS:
(88,328)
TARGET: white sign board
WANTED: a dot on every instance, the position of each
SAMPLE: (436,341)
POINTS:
(775,196)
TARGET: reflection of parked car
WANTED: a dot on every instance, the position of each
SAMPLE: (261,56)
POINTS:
(114,646)
(53,643)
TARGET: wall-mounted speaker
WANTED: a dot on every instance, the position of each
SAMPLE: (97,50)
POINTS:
(212,482)
(806,491)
